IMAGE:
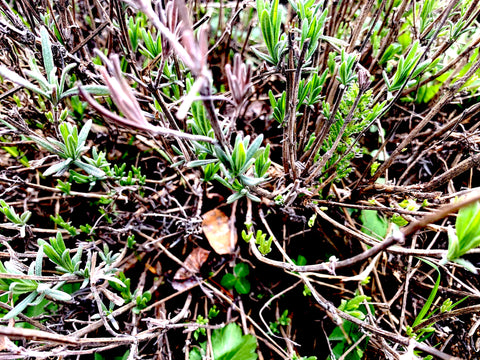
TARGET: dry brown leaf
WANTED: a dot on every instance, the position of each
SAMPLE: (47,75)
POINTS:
(193,263)
(7,344)
(184,276)
(217,230)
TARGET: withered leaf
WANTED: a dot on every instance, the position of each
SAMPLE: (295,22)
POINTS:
(184,277)
(218,232)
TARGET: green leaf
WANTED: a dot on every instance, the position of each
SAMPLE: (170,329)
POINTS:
(225,159)
(466,265)
(421,315)
(91,89)
(50,252)
(223,182)
(38,262)
(267,30)
(253,197)
(195,163)
(263,56)
(241,270)
(42,81)
(239,156)
(254,147)
(58,295)
(373,225)
(242,286)
(90,169)
(260,6)
(12,76)
(58,169)
(228,281)
(228,343)
(234,197)
(21,306)
(47,55)
(195,354)
(467,224)
(399,220)
(82,137)
(63,78)
(59,243)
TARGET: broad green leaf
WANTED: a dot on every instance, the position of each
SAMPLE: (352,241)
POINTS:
(468,222)
(467,235)
(242,286)
(228,281)
(241,270)
(228,343)
(373,225)
(337,333)
(354,335)
(195,354)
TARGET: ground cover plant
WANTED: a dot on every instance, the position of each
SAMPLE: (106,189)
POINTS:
(239,179)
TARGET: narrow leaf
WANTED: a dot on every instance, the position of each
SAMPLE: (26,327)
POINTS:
(21,306)
(17,79)
(47,54)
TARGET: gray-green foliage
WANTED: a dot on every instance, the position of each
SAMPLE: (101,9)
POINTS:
(14,218)
(51,87)
(408,69)
(58,253)
(270,18)
(346,72)
(36,290)
(70,149)
(312,23)
(235,166)
(363,114)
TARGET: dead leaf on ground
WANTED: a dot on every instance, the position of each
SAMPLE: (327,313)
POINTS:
(218,232)
(184,277)
(7,344)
